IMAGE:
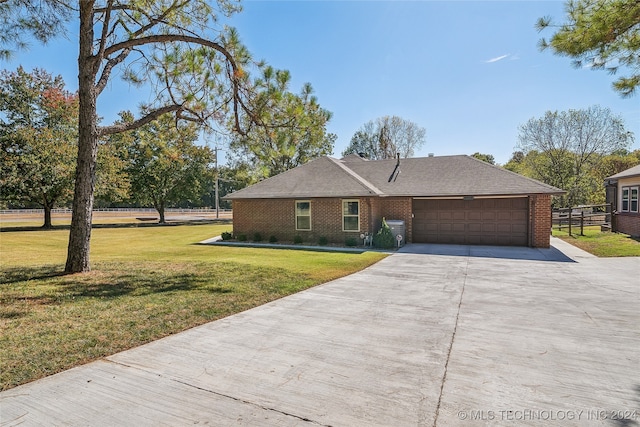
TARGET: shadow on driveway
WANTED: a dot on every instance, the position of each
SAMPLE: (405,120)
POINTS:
(502,252)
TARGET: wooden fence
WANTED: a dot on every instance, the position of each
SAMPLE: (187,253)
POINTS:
(578,217)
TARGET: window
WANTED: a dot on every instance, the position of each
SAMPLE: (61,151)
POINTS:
(625,199)
(350,215)
(634,199)
(303,215)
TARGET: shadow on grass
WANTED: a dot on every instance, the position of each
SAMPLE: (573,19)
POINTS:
(24,289)
(24,274)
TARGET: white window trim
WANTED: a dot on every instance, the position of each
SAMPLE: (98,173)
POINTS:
(296,215)
(622,209)
(350,216)
(637,199)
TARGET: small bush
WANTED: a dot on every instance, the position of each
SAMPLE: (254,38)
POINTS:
(351,241)
(242,238)
(384,237)
(273,239)
(226,235)
(322,241)
(257,237)
(297,239)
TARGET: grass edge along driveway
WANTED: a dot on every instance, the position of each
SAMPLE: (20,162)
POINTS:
(146,283)
(601,244)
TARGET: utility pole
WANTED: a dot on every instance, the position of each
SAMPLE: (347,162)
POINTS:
(217,178)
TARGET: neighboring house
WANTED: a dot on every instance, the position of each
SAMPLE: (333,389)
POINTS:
(449,199)
(622,191)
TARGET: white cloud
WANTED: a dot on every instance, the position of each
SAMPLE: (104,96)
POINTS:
(496,59)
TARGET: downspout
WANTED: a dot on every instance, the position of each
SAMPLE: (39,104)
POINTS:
(532,219)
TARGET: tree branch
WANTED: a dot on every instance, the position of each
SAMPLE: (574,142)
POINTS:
(149,117)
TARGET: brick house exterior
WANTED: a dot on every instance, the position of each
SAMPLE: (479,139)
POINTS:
(623,191)
(312,201)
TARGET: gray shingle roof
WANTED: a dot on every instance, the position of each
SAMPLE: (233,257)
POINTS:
(634,171)
(415,177)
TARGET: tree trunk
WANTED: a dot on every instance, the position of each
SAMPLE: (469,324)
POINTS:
(80,233)
(47,216)
(160,209)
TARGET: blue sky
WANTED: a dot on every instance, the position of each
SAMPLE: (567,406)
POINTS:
(469,72)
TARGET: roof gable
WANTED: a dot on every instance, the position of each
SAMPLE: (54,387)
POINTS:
(321,177)
(634,171)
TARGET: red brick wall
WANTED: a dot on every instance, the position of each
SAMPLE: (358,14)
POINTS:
(397,208)
(628,223)
(276,217)
(540,220)
(265,216)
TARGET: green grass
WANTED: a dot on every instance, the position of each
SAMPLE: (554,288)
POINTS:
(602,244)
(146,283)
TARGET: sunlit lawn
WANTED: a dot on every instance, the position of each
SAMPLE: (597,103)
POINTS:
(146,283)
(602,244)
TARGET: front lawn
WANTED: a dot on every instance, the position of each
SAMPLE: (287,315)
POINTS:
(146,283)
(602,244)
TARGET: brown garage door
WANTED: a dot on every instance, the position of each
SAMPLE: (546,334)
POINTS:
(473,222)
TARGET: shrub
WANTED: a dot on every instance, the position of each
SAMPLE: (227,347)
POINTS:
(273,239)
(242,238)
(226,235)
(384,237)
(257,237)
(297,239)
(322,241)
(351,241)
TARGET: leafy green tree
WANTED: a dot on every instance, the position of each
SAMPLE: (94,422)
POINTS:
(176,47)
(516,163)
(385,137)
(562,148)
(612,164)
(38,138)
(288,130)
(166,166)
(601,34)
(488,158)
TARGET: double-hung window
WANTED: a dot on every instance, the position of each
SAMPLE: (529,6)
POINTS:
(630,199)
(625,199)
(303,215)
(350,215)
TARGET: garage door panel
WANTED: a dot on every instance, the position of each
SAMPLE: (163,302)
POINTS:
(480,221)
(489,227)
(458,227)
(519,216)
(489,215)
(520,229)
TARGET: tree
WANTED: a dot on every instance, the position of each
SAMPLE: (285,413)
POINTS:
(165,165)
(288,130)
(488,158)
(21,19)
(601,34)
(561,148)
(385,137)
(38,139)
(196,68)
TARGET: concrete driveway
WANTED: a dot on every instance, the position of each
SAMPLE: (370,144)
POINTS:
(433,335)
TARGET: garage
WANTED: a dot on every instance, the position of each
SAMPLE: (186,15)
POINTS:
(480,221)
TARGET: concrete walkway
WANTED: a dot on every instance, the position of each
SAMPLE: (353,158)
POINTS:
(433,335)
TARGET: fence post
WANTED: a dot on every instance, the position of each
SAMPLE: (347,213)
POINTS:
(582,222)
(570,219)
